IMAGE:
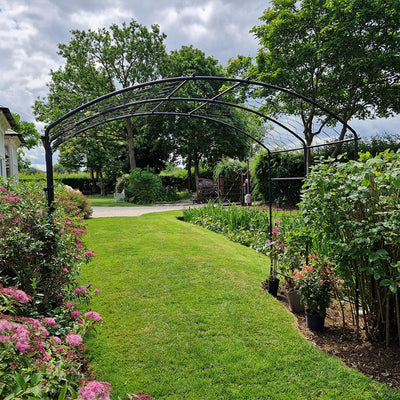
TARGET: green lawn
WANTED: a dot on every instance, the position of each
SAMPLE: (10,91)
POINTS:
(107,201)
(185,318)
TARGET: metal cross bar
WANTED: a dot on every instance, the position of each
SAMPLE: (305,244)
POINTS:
(169,95)
(216,97)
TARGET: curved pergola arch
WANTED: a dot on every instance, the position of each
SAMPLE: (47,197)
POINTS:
(165,97)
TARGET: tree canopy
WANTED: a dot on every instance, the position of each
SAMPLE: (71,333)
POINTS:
(343,54)
(99,62)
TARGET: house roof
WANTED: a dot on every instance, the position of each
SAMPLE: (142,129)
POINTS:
(11,133)
(8,115)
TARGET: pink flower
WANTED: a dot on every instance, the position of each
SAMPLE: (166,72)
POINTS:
(22,346)
(68,306)
(21,337)
(5,325)
(66,270)
(89,254)
(4,338)
(59,296)
(95,390)
(56,339)
(49,321)
(73,339)
(94,316)
(75,314)
(79,246)
(46,356)
(96,291)
(275,231)
(78,291)
(16,294)
(3,189)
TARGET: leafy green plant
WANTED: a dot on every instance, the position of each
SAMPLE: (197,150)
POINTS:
(144,186)
(39,253)
(229,168)
(315,281)
(353,210)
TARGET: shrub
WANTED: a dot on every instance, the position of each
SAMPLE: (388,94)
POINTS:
(144,187)
(283,165)
(353,209)
(229,168)
(122,183)
(36,361)
(36,249)
(73,202)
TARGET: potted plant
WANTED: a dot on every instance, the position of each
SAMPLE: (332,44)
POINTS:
(315,281)
(290,258)
(275,248)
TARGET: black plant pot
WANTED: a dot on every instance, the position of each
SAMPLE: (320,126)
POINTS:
(273,286)
(315,322)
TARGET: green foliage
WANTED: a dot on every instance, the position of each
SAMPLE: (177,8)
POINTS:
(144,187)
(35,248)
(283,165)
(95,63)
(315,282)
(229,168)
(28,131)
(197,140)
(78,180)
(322,50)
(243,225)
(374,145)
(353,209)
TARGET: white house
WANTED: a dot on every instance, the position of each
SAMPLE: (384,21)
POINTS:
(9,143)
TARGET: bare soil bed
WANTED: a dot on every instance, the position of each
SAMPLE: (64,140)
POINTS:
(374,359)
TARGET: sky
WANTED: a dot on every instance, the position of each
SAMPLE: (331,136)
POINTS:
(30,31)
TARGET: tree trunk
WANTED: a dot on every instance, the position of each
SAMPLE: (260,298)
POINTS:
(92,181)
(338,147)
(103,190)
(189,170)
(196,171)
(131,150)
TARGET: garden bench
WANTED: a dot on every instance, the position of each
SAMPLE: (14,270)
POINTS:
(119,196)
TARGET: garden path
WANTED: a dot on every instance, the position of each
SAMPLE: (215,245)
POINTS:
(121,211)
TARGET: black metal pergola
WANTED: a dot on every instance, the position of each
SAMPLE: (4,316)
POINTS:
(209,98)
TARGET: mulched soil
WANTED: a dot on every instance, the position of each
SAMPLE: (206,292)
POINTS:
(374,359)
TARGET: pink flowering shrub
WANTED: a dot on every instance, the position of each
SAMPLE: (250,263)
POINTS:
(40,255)
(29,352)
(95,391)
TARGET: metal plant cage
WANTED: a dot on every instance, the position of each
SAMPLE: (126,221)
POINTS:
(210,98)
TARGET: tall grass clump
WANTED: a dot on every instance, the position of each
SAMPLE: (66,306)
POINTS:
(247,226)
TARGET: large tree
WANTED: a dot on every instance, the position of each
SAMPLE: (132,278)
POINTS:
(197,140)
(31,139)
(98,62)
(343,54)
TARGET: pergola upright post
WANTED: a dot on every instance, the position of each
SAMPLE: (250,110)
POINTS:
(270,192)
(49,172)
